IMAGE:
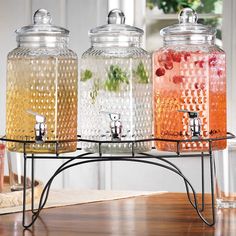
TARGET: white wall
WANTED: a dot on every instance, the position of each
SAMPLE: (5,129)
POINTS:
(79,16)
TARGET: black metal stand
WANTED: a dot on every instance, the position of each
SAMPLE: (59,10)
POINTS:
(146,158)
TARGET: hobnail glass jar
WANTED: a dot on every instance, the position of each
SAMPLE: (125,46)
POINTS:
(42,88)
(189,86)
(116,88)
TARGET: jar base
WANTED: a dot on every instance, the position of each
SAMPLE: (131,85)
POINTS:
(43,149)
(117,148)
(201,146)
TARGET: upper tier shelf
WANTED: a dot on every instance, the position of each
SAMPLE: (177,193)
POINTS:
(79,139)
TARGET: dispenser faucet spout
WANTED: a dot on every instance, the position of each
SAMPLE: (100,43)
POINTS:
(40,127)
(194,123)
(115,125)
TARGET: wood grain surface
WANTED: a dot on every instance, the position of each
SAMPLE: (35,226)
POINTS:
(168,214)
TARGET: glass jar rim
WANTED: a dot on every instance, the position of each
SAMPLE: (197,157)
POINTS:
(115,30)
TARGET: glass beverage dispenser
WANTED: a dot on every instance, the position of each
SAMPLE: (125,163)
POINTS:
(189,86)
(42,88)
(116,88)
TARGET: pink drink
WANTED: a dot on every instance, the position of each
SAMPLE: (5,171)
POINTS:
(193,81)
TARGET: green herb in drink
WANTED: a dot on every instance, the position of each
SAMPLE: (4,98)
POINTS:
(95,89)
(115,78)
(141,73)
(86,75)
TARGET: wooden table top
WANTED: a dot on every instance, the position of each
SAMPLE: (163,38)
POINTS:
(165,214)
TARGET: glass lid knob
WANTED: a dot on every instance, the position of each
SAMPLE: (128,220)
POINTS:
(42,17)
(116,16)
(187,15)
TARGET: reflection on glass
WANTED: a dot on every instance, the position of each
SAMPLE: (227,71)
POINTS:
(225,176)
(16,171)
(225,222)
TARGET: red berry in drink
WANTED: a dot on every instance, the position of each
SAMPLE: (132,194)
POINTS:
(160,72)
(178,79)
(203,86)
(212,61)
(186,56)
(196,86)
(199,63)
(176,57)
(168,65)
(220,72)
(164,57)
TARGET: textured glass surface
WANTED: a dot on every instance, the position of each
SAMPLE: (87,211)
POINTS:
(116,85)
(193,80)
(43,81)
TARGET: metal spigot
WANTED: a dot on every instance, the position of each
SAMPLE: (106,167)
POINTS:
(40,127)
(115,125)
(194,123)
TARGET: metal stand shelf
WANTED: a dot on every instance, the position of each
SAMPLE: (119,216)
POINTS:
(157,160)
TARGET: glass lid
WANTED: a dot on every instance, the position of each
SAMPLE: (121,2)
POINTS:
(115,30)
(41,28)
(188,27)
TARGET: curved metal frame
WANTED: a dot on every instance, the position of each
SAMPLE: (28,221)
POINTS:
(138,158)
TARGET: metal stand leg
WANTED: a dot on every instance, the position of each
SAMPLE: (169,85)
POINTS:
(66,165)
(212,183)
(212,222)
(203,183)
(25,187)
(32,184)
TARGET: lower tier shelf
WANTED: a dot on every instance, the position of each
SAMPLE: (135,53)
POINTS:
(157,159)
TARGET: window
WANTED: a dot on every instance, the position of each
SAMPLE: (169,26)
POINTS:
(162,13)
